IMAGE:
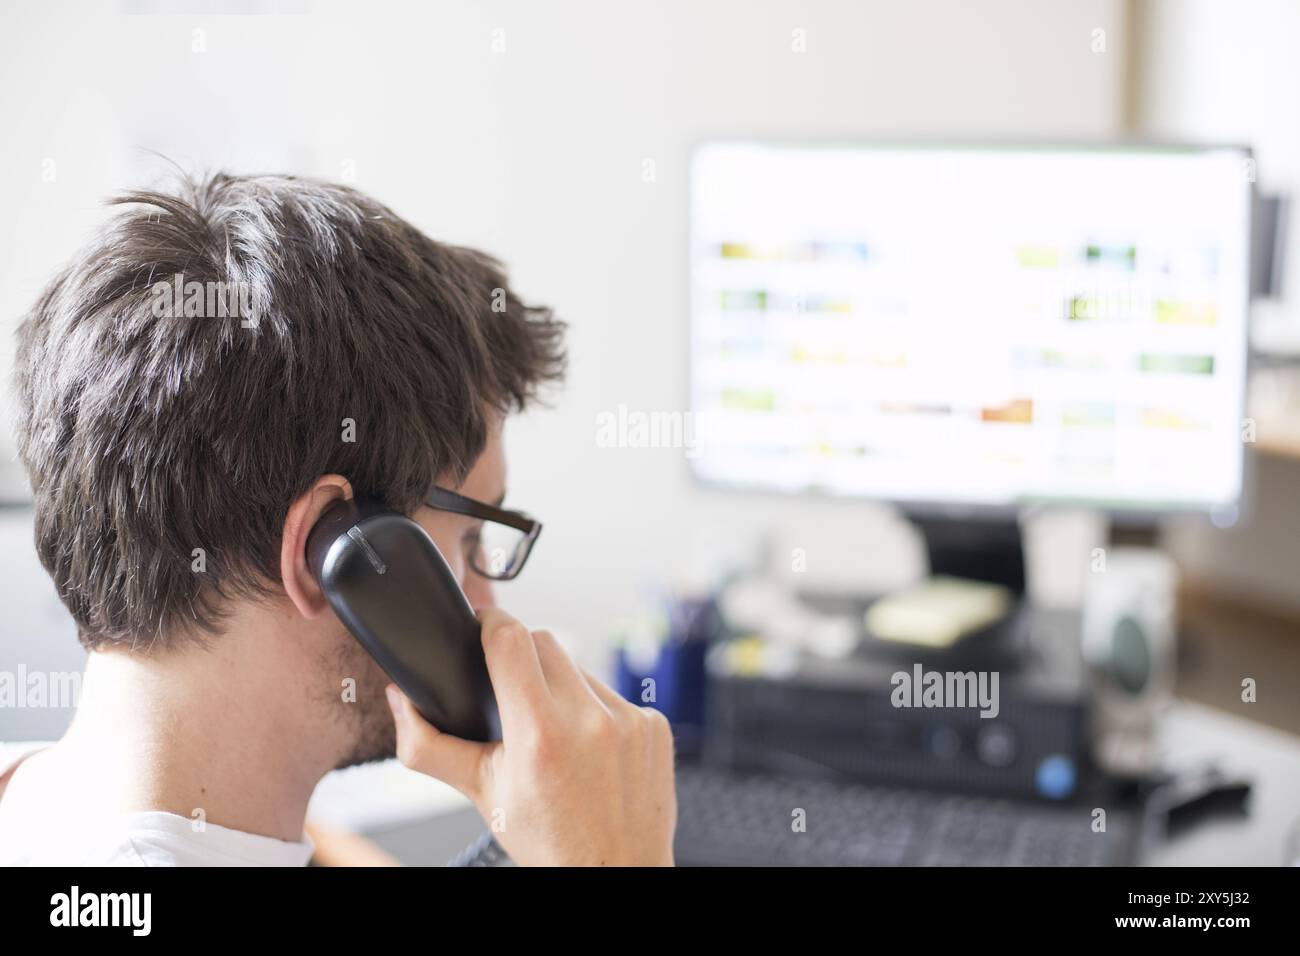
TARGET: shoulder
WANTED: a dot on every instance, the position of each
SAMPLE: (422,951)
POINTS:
(11,755)
(37,830)
(167,839)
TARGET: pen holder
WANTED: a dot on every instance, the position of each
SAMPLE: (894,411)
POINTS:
(674,683)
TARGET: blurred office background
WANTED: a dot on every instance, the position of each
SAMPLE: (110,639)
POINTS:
(556,136)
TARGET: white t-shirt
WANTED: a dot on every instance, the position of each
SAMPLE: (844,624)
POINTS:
(152,838)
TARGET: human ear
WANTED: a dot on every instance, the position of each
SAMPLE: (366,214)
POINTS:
(306,510)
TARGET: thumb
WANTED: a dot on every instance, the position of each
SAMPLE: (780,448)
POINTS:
(426,749)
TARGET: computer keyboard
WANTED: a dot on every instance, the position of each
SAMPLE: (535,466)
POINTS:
(726,819)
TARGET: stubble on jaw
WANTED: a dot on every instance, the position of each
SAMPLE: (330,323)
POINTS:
(351,696)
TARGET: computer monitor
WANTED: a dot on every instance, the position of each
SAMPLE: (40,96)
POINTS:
(985,327)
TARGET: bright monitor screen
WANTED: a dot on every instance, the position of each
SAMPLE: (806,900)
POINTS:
(972,326)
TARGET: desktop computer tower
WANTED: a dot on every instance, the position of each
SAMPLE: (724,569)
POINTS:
(839,719)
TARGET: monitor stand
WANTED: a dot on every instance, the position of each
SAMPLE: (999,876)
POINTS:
(979,549)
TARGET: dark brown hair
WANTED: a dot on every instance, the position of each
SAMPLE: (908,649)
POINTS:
(146,437)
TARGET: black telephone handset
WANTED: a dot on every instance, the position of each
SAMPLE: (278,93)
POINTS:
(395,593)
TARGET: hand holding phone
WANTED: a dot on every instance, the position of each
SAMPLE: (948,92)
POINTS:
(581,777)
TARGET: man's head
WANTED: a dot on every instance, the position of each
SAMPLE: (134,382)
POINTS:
(179,453)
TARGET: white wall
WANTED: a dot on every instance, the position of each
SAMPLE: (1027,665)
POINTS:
(537,155)
(1213,70)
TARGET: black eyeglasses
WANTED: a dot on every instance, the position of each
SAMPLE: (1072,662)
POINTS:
(502,543)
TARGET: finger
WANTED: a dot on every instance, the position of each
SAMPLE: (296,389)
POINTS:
(606,694)
(523,698)
(563,678)
(426,749)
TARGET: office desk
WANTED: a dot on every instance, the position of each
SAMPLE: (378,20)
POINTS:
(1191,733)
(1269,833)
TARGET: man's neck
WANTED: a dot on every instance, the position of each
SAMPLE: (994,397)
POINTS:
(199,730)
